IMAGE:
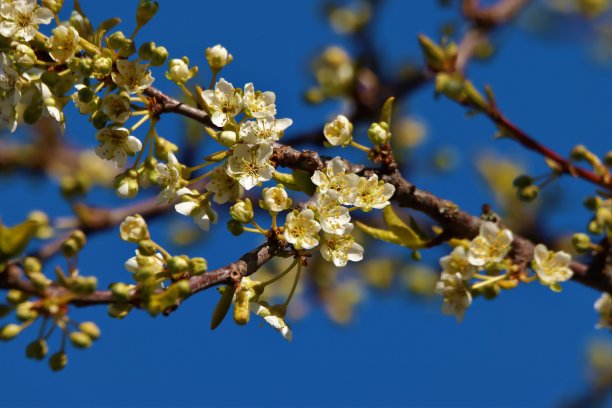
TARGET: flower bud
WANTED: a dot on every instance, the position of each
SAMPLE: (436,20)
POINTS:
(37,349)
(120,291)
(242,211)
(595,228)
(126,184)
(24,56)
(197,266)
(90,329)
(32,113)
(607,160)
(579,152)
(85,94)
(119,310)
(379,134)
(54,5)
(58,361)
(218,57)
(80,238)
(592,203)
(522,181)
(241,307)
(127,48)
(80,340)
(39,280)
(528,193)
(70,248)
(228,138)
(145,12)
(24,311)
(31,265)
(15,296)
(116,39)
(9,331)
(178,264)
(178,70)
(159,57)
(102,66)
(581,242)
(235,227)
(275,199)
(147,247)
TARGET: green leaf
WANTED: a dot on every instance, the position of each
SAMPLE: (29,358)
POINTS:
(222,307)
(14,240)
(387,111)
(287,180)
(304,182)
(407,235)
(379,233)
(104,27)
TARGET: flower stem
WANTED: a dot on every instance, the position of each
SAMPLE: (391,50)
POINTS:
(295,283)
(139,123)
(280,275)
(360,146)
(489,281)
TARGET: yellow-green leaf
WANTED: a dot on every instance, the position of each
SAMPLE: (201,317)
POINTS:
(14,240)
(379,233)
(407,236)
(387,111)
(222,307)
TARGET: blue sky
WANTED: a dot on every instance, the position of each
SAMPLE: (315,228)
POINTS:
(527,348)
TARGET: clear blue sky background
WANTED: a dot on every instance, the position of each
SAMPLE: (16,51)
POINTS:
(524,349)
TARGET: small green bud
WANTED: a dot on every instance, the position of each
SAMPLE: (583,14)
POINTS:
(379,134)
(99,119)
(120,292)
(39,280)
(595,228)
(147,247)
(126,184)
(528,193)
(159,57)
(145,12)
(9,331)
(434,54)
(228,138)
(31,265)
(116,39)
(127,48)
(197,266)
(37,349)
(145,51)
(90,329)
(178,264)
(24,56)
(581,242)
(54,5)
(102,66)
(70,248)
(15,297)
(522,181)
(80,340)
(242,211)
(24,311)
(119,310)
(80,238)
(235,227)
(579,152)
(183,288)
(592,203)
(490,292)
(58,361)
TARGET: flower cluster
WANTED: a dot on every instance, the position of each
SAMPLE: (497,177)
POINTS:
(487,252)
(337,189)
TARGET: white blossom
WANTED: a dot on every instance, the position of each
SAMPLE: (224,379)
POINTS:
(134,229)
(250,165)
(339,131)
(140,263)
(8,115)
(333,217)
(341,248)
(456,293)
(218,57)
(224,102)
(372,193)
(116,144)
(457,262)
(132,76)
(202,215)
(275,199)
(336,178)
(21,18)
(302,230)
(273,318)
(603,306)
(258,104)
(551,267)
(64,43)
(490,246)
(268,130)
(169,178)
(224,187)
(117,108)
